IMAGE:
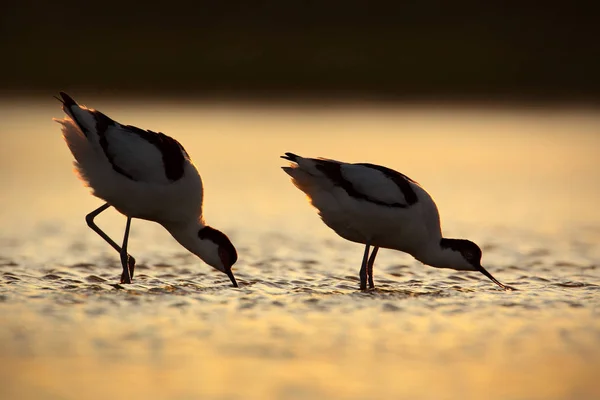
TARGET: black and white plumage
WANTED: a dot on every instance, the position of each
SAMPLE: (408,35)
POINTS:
(145,175)
(377,206)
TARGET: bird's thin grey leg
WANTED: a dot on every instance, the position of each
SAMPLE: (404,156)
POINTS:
(90,221)
(125,278)
(370,267)
(363,269)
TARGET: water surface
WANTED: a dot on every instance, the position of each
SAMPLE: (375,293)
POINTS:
(524,184)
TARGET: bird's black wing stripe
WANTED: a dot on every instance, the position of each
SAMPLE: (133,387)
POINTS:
(333,171)
(173,153)
(401,180)
(102,124)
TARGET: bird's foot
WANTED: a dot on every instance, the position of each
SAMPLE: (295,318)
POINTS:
(362,275)
(128,263)
(363,285)
(131,263)
(371,283)
(125,278)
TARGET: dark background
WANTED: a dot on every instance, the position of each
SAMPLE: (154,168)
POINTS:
(351,49)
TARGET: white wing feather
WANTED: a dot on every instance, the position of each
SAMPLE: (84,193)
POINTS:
(373,184)
(134,155)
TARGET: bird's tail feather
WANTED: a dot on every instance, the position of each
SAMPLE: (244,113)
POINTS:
(291,157)
(80,114)
(80,147)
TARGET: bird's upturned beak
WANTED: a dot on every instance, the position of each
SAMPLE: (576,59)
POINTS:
(230,275)
(496,281)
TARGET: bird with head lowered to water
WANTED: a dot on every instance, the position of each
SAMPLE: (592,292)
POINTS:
(379,207)
(145,175)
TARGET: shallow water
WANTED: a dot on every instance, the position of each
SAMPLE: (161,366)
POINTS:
(524,184)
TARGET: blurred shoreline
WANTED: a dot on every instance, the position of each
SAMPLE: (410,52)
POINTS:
(464,52)
(282,98)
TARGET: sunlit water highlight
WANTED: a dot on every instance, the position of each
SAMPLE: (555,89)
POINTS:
(523,184)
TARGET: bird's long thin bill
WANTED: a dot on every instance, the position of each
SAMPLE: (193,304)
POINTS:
(496,281)
(230,275)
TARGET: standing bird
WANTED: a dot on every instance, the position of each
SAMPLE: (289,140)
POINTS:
(145,175)
(377,206)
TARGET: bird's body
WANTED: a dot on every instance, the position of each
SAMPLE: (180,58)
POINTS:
(141,189)
(377,206)
(145,175)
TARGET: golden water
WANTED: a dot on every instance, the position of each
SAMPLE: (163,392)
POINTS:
(524,184)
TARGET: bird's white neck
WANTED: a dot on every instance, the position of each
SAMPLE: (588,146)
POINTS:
(211,245)
(437,256)
(187,235)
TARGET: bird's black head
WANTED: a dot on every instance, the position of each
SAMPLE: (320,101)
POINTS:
(471,254)
(222,255)
(467,249)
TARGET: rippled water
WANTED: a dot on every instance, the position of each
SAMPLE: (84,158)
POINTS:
(522,184)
